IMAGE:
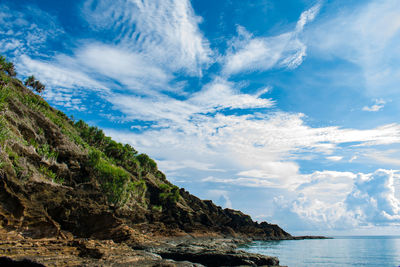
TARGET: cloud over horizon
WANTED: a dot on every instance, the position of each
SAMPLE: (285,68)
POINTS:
(159,83)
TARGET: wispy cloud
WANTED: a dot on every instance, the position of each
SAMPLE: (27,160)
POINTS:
(379,104)
(334,158)
(27,31)
(367,36)
(217,132)
(250,53)
(165,32)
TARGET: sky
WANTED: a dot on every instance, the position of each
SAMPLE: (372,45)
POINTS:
(286,110)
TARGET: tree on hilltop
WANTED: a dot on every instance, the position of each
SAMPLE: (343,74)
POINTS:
(7,67)
(34,84)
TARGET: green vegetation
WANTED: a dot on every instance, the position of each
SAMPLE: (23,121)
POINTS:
(147,164)
(15,159)
(117,168)
(156,208)
(169,195)
(4,134)
(34,84)
(7,67)
(119,154)
(46,152)
(50,174)
(115,181)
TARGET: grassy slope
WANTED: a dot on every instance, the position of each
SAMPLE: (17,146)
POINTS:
(117,169)
(41,145)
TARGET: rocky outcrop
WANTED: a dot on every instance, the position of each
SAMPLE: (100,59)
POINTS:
(213,252)
(17,250)
(51,186)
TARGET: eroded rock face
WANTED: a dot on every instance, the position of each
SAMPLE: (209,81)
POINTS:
(20,251)
(48,190)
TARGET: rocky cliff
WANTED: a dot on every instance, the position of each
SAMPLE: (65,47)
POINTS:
(66,180)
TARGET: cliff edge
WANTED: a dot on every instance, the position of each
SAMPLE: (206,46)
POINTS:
(66,180)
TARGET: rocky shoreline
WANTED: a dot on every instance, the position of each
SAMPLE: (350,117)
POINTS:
(183,251)
(71,196)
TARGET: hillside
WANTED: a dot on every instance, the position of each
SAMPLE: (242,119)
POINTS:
(66,180)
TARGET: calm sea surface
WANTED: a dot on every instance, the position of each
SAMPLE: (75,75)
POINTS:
(340,251)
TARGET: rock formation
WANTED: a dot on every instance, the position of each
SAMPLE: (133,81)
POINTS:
(65,185)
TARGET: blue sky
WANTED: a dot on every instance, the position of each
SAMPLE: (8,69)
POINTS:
(286,110)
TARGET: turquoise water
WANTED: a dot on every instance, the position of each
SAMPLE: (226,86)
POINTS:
(340,251)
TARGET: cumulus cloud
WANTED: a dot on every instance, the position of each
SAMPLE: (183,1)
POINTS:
(341,200)
(219,134)
(373,198)
(250,53)
(222,197)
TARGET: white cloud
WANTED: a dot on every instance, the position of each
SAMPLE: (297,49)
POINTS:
(334,158)
(222,197)
(353,158)
(390,156)
(341,200)
(373,198)
(379,104)
(250,53)
(368,37)
(166,32)
(55,74)
(26,32)
(131,69)
(256,150)
(220,94)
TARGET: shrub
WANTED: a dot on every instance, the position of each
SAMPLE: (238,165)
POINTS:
(8,67)
(156,208)
(34,84)
(146,163)
(122,155)
(4,133)
(169,195)
(114,181)
(46,152)
(50,174)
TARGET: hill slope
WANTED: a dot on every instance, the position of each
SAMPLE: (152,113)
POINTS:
(65,179)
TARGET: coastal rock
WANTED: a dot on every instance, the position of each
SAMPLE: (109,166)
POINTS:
(216,258)
(67,189)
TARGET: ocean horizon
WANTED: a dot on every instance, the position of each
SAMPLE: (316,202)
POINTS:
(351,250)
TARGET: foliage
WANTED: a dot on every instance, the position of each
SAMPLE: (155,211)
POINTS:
(46,152)
(114,180)
(169,195)
(14,157)
(34,84)
(147,163)
(7,67)
(4,133)
(2,163)
(122,155)
(4,96)
(156,208)
(50,174)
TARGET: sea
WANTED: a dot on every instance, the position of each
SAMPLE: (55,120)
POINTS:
(338,251)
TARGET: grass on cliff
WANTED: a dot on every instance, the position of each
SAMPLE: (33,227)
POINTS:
(118,168)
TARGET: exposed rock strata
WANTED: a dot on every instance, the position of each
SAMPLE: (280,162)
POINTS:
(53,201)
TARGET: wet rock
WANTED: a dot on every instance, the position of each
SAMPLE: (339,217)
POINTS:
(4,261)
(214,257)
